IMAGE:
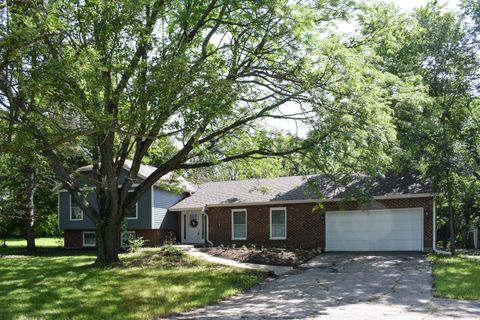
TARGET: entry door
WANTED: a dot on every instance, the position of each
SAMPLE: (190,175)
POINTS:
(193,227)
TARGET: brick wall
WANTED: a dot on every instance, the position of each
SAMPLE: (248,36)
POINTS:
(73,239)
(156,237)
(305,226)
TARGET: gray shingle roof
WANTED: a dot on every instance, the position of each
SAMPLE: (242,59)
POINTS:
(301,188)
(144,172)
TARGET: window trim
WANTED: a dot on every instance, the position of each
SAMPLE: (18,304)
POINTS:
(136,213)
(285,210)
(70,215)
(246,224)
(136,210)
(83,239)
(125,232)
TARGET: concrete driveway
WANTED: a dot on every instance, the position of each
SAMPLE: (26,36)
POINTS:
(345,286)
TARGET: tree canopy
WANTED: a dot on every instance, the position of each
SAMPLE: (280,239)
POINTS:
(186,85)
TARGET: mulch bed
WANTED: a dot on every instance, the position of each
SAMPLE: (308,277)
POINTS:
(272,256)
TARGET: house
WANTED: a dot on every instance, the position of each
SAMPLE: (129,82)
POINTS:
(151,218)
(299,211)
(284,212)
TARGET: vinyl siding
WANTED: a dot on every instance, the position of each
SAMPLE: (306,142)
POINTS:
(144,220)
(162,200)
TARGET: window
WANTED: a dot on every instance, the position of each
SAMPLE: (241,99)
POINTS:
(89,238)
(239,224)
(278,223)
(125,237)
(76,213)
(133,214)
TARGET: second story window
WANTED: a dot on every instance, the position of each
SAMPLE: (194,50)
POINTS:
(133,214)
(76,213)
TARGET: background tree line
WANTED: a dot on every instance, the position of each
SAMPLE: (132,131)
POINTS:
(187,86)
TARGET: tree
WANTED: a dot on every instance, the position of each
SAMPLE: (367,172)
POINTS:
(27,207)
(432,50)
(114,77)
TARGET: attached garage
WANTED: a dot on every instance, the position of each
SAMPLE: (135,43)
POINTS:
(374,230)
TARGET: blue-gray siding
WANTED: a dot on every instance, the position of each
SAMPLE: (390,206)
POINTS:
(162,201)
(144,220)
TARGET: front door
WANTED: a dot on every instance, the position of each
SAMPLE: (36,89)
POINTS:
(193,226)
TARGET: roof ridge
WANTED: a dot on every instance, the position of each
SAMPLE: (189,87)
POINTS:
(253,179)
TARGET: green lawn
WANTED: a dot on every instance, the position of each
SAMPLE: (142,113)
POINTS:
(40,242)
(456,277)
(66,285)
(18,245)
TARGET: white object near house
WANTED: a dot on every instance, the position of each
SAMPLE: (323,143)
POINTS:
(375,230)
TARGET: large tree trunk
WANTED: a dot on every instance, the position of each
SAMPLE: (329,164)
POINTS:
(30,174)
(108,241)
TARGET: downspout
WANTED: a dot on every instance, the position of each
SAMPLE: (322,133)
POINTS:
(206,228)
(434,231)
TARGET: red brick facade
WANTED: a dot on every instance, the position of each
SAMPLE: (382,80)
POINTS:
(305,226)
(154,237)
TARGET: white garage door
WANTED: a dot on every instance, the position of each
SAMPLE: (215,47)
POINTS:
(374,230)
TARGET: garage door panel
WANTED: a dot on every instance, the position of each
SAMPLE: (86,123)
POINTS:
(375,230)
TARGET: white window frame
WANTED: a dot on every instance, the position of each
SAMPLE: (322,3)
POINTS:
(136,211)
(276,209)
(124,233)
(83,238)
(71,219)
(246,224)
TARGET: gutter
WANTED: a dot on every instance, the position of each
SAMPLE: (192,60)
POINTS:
(434,231)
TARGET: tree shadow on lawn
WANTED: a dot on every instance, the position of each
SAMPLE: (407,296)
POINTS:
(71,286)
(51,286)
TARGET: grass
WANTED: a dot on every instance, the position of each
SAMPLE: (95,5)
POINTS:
(456,277)
(147,284)
(40,242)
(18,245)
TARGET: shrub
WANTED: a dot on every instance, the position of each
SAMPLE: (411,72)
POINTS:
(59,242)
(170,239)
(234,245)
(135,244)
(170,250)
